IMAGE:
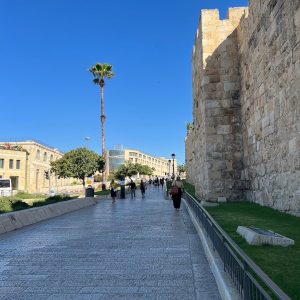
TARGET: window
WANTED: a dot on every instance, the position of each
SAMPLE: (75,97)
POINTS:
(11,163)
(18,164)
(45,156)
(1,163)
(38,154)
(4,183)
(51,157)
(132,154)
(116,152)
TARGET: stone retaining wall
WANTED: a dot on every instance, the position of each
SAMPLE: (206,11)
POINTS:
(19,219)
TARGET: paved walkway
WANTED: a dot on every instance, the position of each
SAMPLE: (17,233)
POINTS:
(134,249)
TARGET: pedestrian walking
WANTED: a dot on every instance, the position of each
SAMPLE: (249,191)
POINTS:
(143,188)
(162,182)
(132,186)
(176,192)
(113,190)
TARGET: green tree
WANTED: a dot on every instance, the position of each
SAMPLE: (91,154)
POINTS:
(181,168)
(101,72)
(126,170)
(146,170)
(130,169)
(78,163)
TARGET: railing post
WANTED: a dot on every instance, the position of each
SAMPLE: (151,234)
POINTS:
(245,282)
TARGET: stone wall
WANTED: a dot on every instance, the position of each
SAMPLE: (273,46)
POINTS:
(215,139)
(245,142)
(269,46)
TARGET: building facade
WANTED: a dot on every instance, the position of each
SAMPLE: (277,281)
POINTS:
(26,164)
(244,142)
(162,166)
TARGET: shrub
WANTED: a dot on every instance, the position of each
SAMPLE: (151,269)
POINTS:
(19,205)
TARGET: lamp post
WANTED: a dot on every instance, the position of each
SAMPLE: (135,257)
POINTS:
(169,161)
(87,138)
(173,157)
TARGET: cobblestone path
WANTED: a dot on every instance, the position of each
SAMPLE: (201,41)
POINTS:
(133,249)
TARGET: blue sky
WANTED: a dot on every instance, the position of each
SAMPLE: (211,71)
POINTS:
(46,92)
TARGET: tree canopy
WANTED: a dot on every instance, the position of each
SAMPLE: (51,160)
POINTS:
(130,169)
(181,168)
(78,163)
(101,71)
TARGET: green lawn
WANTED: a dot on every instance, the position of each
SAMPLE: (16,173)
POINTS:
(189,188)
(21,201)
(281,264)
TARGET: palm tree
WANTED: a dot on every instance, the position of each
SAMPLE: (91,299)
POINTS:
(100,72)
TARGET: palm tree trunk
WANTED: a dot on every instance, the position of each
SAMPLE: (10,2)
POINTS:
(102,133)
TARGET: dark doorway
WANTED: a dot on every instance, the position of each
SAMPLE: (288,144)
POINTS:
(15,182)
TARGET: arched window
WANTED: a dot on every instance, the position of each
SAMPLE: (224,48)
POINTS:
(45,156)
(51,157)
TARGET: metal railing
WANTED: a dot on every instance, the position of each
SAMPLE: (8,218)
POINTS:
(251,282)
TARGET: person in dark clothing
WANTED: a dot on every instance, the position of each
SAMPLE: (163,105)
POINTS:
(176,192)
(132,186)
(162,182)
(113,190)
(143,188)
(157,182)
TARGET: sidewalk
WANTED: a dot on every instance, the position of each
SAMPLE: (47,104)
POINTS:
(134,249)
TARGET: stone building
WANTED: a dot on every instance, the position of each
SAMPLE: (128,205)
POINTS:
(161,165)
(25,163)
(244,141)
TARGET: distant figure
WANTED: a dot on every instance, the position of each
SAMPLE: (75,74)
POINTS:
(113,190)
(176,192)
(132,186)
(157,182)
(143,188)
(162,181)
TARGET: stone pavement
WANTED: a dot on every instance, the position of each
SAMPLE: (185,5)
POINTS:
(133,249)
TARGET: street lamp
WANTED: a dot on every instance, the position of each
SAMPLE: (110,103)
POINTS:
(173,157)
(169,161)
(87,138)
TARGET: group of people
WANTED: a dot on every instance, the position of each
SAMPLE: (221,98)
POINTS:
(176,190)
(157,182)
(114,187)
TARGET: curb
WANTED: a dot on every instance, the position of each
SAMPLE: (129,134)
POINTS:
(18,219)
(226,288)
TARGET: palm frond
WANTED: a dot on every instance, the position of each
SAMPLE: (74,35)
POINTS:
(102,71)
(96,81)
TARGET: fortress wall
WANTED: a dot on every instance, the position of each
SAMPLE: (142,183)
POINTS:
(245,141)
(216,141)
(269,46)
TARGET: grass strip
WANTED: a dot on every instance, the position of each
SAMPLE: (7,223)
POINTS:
(282,264)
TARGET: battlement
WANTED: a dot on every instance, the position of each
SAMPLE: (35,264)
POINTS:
(212,16)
